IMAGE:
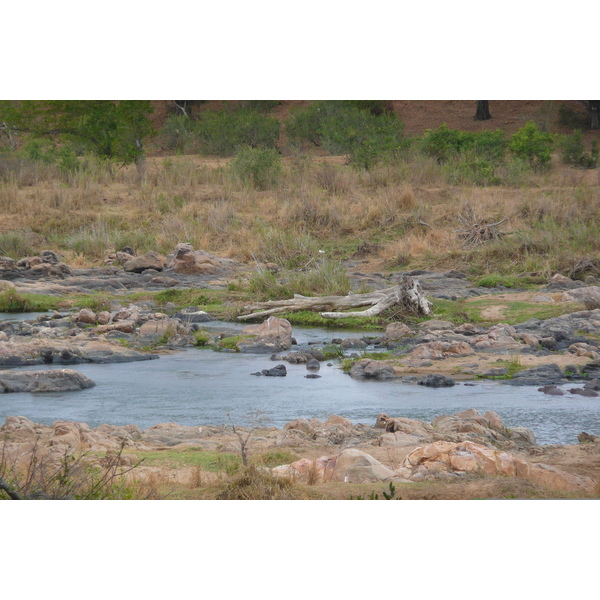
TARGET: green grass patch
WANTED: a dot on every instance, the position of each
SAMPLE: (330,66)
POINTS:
(215,462)
(203,338)
(13,302)
(333,351)
(313,319)
(470,311)
(509,281)
(231,342)
(189,297)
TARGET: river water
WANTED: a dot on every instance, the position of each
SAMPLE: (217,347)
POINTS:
(199,387)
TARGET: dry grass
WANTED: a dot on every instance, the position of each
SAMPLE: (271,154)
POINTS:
(406,212)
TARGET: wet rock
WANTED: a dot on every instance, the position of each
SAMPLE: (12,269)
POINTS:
(353,344)
(551,390)
(59,380)
(594,384)
(540,376)
(277,371)
(312,376)
(273,335)
(584,392)
(313,365)
(372,369)
(192,314)
(436,381)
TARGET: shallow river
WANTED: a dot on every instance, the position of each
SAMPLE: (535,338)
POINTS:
(199,387)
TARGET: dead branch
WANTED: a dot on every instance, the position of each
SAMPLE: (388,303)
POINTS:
(477,230)
(407,295)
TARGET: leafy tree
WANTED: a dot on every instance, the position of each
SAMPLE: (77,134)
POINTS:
(107,128)
(529,143)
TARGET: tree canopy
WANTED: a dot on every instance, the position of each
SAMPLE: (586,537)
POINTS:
(107,128)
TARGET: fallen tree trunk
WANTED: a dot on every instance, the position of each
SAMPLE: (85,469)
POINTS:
(407,295)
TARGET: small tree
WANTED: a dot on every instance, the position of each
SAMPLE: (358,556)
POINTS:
(106,128)
(533,145)
(255,420)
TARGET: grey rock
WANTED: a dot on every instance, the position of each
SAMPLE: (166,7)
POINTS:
(60,380)
(542,375)
(436,381)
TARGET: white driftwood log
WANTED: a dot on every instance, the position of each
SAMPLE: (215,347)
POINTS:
(407,294)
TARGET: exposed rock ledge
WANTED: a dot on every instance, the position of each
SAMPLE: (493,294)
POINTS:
(59,380)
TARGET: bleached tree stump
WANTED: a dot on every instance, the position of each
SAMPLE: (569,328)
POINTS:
(407,295)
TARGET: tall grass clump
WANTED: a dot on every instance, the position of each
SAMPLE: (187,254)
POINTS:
(257,167)
(287,248)
(15,244)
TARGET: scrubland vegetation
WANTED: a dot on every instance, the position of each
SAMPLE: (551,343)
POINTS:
(336,180)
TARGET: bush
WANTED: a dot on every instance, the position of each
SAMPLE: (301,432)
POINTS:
(258,105)
(224,132)
(177,133)
(471,169)
(260,168)
(445,144)
(573,151)
(533,145)
(46,152)
(347,127)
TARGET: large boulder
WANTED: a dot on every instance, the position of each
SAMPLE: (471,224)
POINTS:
(587,295)
(60,380)
(273,335)
(395,332)
(160,328)
(542,375)
(436,381)
(350,466)
(446,458)
(139,264)
(187,261)
(367,368)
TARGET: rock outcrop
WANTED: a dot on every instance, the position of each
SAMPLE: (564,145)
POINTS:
(59,380)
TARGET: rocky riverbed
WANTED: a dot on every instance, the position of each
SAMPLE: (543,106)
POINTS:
(544,353)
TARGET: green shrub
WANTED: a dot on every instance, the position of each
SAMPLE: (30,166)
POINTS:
(47,152)
(258,167)
(366,135)
(471,169)
(177,133)
(224,132)
(573,151)
(529,143)
(258,105)
(444,144)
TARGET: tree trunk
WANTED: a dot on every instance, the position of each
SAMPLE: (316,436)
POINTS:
(594,106)
(407,295)
(483,110)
